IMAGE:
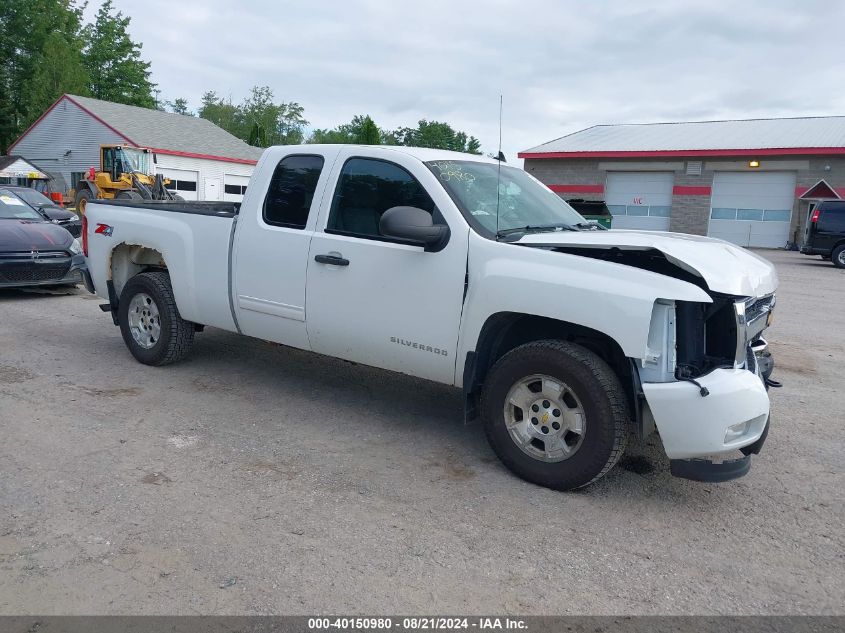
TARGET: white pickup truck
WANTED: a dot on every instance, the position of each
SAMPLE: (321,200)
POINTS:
(565,338)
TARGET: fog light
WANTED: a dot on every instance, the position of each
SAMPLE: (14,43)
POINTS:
(736,431)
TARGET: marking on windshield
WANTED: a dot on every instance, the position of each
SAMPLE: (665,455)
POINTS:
(449,170)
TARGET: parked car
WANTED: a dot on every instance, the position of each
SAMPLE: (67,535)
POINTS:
(34,251)
(825,234)
(461,270)
(49,209)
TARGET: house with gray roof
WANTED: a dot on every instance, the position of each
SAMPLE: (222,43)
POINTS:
(752,182)
(202,161)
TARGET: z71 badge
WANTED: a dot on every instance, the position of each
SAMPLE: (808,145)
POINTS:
(104,229)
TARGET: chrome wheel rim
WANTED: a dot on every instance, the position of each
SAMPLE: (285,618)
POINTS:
(841,258)
(545,418)
(144,320)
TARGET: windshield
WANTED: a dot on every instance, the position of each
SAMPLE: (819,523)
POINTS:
(33,197)
(523,201)
(135,160)
(13,208)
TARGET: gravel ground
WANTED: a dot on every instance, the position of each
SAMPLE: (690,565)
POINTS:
(255,479)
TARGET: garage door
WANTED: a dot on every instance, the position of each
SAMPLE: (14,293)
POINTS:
(182,182)
(640,200)
(234,187)
(752,209)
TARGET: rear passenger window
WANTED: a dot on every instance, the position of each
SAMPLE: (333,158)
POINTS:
(832,216)
(291,191)
(366,189)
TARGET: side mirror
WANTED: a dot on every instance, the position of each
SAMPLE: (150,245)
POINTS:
(414,225)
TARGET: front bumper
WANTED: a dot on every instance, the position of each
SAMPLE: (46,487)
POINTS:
(21,271)
(732,416)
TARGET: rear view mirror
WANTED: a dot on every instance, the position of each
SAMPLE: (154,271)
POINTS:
(414,225)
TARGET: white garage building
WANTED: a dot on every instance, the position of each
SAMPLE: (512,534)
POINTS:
(203,161)
(751,182)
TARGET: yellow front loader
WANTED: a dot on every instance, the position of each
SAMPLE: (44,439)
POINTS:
(125,173)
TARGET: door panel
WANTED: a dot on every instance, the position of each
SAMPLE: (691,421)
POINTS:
(271,251)
(212,189)
(752,208)
(391,305)
(640,200)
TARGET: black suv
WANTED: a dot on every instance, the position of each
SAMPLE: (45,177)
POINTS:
(825,234)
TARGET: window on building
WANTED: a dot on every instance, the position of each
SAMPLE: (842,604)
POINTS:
(291,191)
(181,185)
(237,190)
(367,188)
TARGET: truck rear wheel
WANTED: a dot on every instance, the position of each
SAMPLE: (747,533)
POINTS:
(555,414)
(150,322)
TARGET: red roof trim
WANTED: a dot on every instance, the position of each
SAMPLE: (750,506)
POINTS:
(173,152)
(577,188)
(684,190)
(784,151)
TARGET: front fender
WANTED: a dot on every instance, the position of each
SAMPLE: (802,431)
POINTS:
(614,299)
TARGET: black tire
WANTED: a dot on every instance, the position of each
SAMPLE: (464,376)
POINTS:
(128,195)
(176,335)
(600,393)
(82,198)
(838,256)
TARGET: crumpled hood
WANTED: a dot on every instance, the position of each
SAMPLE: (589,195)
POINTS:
(26,235)
(725,268)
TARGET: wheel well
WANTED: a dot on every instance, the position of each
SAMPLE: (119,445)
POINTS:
(127,260)
(505,331)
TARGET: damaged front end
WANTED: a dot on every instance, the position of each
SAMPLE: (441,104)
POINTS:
(724,334)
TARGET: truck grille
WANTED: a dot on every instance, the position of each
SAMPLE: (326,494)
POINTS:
(26,267)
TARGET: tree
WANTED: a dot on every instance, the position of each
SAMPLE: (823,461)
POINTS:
(179,106)
(40,48)
(258,120)
(362,130)
(438,135)
(275,123)
(115,68)
(60,71)
(222,113)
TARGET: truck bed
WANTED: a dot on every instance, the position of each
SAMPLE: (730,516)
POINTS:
(219,209)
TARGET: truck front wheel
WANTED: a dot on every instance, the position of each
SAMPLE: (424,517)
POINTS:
(555,414)
(149,320)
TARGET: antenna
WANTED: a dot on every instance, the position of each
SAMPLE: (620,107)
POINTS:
(499,168)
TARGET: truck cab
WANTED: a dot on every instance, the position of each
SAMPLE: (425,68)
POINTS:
(565,339)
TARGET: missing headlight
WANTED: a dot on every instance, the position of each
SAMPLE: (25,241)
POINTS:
(706,336)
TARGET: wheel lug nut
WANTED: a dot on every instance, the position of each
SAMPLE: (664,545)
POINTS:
(556,426)
(556,413)
(545,404)
(545,429)
(534,421)
(535,408)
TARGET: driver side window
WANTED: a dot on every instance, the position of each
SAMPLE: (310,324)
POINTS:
(366,189)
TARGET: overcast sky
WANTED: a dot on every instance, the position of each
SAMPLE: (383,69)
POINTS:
(561,66)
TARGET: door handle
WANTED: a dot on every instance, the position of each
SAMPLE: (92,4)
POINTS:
(335,259)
